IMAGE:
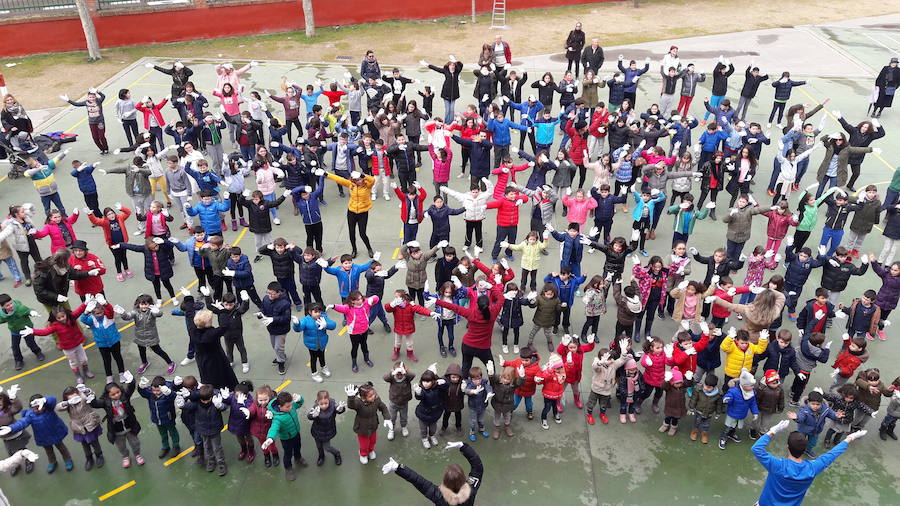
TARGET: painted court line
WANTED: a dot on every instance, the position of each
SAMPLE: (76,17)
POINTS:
(117,490)
(124,327)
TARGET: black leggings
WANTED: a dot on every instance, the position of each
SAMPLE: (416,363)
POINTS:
(358,341)
(235,205)
(23,260)
(465,159)
(316,356)
(504,331)
(713,194)
(648,314)
(314,233)
(525,274)
(779,108)
(549,405)
(642,226)
(800,238)
(582,170)
(469,353)
(417,294)
(119,255)
(142,351)
(854,174)
(231,343)
(108,354)
(592,323)
(657,393)
(311,293)
(474,228)
(166,283)
(576,61)
(203,275)
(457,415)
(361,219)
(296,123)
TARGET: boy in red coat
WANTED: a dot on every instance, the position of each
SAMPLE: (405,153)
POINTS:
(507,220)
(411,212)
(528,358)
(573,355)
(723,288)
(853,354)
(82,260)
(404,322)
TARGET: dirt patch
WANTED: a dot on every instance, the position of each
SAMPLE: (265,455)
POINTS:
(36,81)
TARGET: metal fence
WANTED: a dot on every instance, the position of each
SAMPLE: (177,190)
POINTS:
(13,7)
(138,4)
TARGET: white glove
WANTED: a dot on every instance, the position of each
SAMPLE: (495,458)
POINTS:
(853,436)
(389,425)
(778,427)
(321,262)
(649,361)
(228,272)
(350,390)
(61,298)
(668,350)
(566,339)
(268,442)
(266,320)
(819,314)
(204,290)
(390,467)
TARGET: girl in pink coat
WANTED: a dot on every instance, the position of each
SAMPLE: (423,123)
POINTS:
(356,314)
(60,230)
(780,219)
(654,363)
(578,207)
(442,159)
(226,74)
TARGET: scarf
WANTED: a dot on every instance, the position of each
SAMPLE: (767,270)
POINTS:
(634,304)
(631,382)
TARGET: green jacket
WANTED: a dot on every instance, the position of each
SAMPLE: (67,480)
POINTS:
(18,319)
(811,213)
(284,425)
(679,219)
(706,405)
(547,309)
(895,181)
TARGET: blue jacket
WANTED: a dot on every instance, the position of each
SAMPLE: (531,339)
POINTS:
(194,256)
(477,401)
(529,112)
(545,131)
(310,100)
(639,204)
(207,417)
(348,281)
(738,407)
(243,272)
(480,156)
(788,481)
(162,408)
(440,219)
(783,89)
(566,290)
(722,117)
(538,175)
(205,180)
(105,332)
(756,146)
(682,134)
(616,91)
(630,85)
(280,310)
(351,155)
(48,427)
(710,142)
(309,208)
(797,272)
(501,131)
(86,183)
(606,207)
(570,247)
(210,215)
(314,338)
(783,360)
(811,422)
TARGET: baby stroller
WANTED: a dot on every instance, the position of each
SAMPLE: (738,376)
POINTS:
(22,146)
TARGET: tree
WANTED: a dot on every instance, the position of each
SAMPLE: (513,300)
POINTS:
(308,18)
(90,33)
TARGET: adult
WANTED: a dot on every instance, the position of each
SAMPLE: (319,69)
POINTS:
(671,59)
(574,45)
(93,103)
(861,135)
(16,228)
(358,207)
(212,363)
(592,57)
(450,88)
(226,74)
(13,117)
(369,67)
(481,316)
(502,53)
(760,313)
(887,82)
(790,478)
(51,279)
(456,488)
(180,76)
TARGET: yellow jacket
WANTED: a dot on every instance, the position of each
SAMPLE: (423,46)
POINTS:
(360,195)
(736,359)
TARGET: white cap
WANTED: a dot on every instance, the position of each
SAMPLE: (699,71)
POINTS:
(179,65)
(355,174)
(228,66)
(413,244)
(145,99)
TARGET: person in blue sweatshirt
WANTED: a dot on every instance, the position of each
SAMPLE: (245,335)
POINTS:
(181,134)
(210,211)
(811,419)
(783,88)
(238,268)
(86,185)
(500,126)
(566,285)
(440,220)
(307,202)
(709,143)
(572,248)
(205,178)
(632,73)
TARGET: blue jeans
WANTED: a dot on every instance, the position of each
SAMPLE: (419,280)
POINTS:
(826,183)
(53,198)
(271,198)
(377,311)
(733,250)
(791,300)
(714,102)
(529,403)
(449,326)
(449,112)
(832,235)
(410,230)
(802,165)
(748,297)
(13,268)
(247,153)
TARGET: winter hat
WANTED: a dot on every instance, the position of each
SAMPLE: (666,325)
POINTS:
(631,364)
(746,379)
(677,377)
(179,65)
(711,380)
(772,376)
(79,244)
(413,244)
(355,174)
(814,396)
(895,60)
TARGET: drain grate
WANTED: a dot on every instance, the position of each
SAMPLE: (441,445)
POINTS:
(342,58)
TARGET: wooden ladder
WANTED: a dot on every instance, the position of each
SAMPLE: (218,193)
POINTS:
(498,14)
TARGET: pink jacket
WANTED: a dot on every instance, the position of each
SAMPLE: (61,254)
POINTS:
(756,268)
(231,103)
(656,373)
(265,180)
(578,209)
(357,317)
(652,158)
(234,78)
(503,178)
(441,169)
(155,112)
(778,224)
(56,236)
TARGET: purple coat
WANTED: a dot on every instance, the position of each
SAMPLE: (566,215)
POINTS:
(890,288)
(238,423)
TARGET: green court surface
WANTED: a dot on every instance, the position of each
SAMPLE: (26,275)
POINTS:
(872,45)
(572,463)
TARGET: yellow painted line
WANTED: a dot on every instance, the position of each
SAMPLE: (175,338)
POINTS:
(283,385)
(4,178)
(396,253)
(124,327)
(136,81)
(117,490)
(344,330)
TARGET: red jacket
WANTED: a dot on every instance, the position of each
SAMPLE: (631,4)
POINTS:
(404,204)
(507,210)
(155,112)
(719,311)
(503,178)
(778,224)
(686,362)
(404,323)
(578,146)
(554,386)
(90,284)
(163,220)
(600,119)
(847,363)
(259,424)
(376,168)
(103,223)
(508,274)
(573,368)
(68,336)
(466,133)
(480,331)
(57,240)
(529,387)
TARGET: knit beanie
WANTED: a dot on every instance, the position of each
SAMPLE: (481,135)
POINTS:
(772,376)
(631,364)
(746,379)
(677,377)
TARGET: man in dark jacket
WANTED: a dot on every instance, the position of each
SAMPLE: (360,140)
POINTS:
(275,314)
(592,57)
(721,73)
(752,79)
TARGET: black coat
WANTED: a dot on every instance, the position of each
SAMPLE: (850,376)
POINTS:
(545,93)
(575,40)
(405,160)
(436,494)
(511,315)
(835,278)
(592,59)
(324,426)
(48,284)
(714,269)
(163,258)
(431,403)
(450,88)
(859,139)
(283,263)
(207,417)
(259,214)
(230,320)
(720,80)
(211,360)
(751,84)
(129,424)
(892,223)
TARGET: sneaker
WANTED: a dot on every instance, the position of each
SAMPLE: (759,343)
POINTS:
(792,316)
(722,443)
(354,367)
(171,368)
(404,431)
(128,274)
(869,337)
(557,418)
(120,277)
(530,415)
(516,349)
(485,434)
(40,356)
(472,437)
(139,460)
(186,361)
(177,312)
(126,463)
(643,253)
(809,453)
(318,379)
(881,335)
(545,425)
(143,367)
(326,372)
(505,349)
(734,437)
(276,221)
(795,404)
(69,465)
(452,351)
(369,363)
(754,435)
(390,434)
(425,443)
(443,352)
(281,368)
(590,419)
(363,459)
(19,365)
(632,418)
(245,367)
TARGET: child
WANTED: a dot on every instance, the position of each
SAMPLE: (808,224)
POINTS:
(375,278)
(573,352)
(85,424)
(603,381)
(447,317)
(146,334)
(261,421)
(863,317)
(283,255)
(739,220)
(348,273)
(675,406)
(652,281)
(63,323)
(475,204)
(594,305)
(844,399)
(404,323)
(122,427)
(217,252)
(229,314)
(87,186)
(511,315)
(431,392)
(566,282)
(888,293)
(479,393)
(740,401)
(504,386)
(440,219)
(683,353)
(572,247)
(553,378)
(629,390)
(49,429)
(532,248)
(259,209)
(811,419)
(853,355)
(869,390)
(239,419)
(208,412)
(356,314)
(780,220)
(160,395)
(811,351)
(654,363)
(452,397)
(275,314)
(817,312)
(324,425)
(645,202)
(99,316)
(548,306)
(235,173)
(307,202)
(60,228)
(629,307)
(158,260)
(780,356)
(416,263)
(18,316)
(399,395)
(686,216)
(769,400)
(365,401)
(704,404)
(315,326)
(890,418)
(739,351)
(239,273)
(112,221)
